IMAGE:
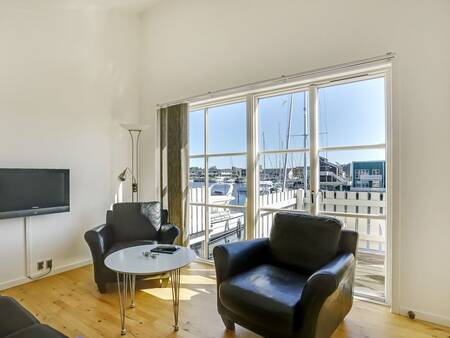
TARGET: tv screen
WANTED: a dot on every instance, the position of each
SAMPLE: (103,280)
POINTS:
(27,192)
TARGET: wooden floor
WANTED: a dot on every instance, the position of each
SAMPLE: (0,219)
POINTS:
(70,303)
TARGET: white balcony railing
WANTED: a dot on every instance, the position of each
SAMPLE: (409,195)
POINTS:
(361,211)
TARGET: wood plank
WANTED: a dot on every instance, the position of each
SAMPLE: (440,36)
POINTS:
(71,303)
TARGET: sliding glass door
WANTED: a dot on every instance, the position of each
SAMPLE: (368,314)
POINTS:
(265,152)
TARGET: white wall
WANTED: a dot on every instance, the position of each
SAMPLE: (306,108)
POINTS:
(67,78)
(191,47)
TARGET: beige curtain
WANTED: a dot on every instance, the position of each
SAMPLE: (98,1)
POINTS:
(174,170)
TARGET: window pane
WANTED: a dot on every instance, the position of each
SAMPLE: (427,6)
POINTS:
(228,180)
(352,113)
(353,170)
(227,128)
(282,122)
(196,132)
(197,229)
(280,178)
(197,180)
(354,182)
(225,226)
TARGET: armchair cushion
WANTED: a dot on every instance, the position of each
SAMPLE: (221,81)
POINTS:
(304,242)
(265,294)
(168,233)
(152,211)
(130,223)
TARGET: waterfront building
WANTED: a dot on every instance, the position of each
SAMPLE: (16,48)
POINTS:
(369,175)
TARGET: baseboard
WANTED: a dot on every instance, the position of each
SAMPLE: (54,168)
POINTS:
(428,317)
(13,282)
(35,276)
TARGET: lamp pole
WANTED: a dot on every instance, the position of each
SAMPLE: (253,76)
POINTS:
(135,134)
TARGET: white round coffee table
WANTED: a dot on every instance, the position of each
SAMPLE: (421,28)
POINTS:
(130,262)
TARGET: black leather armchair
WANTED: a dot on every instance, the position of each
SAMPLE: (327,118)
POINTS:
(127,225)
(297,283)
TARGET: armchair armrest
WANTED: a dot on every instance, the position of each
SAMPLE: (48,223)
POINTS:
(317,310)
(234,258)
(99,240)
(327,279)
(168,233)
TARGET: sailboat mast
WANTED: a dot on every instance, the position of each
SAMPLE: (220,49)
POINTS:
(288,136)
(264,155)
(305,140)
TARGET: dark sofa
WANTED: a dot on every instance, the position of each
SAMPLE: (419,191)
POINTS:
(297,283)
(17,322)
(127,225)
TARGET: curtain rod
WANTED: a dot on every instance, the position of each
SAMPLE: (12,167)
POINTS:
(281,79)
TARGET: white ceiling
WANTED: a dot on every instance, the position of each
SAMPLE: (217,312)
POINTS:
(128,5)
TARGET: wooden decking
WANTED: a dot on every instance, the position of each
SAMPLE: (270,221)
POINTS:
(71,303)
(370,274)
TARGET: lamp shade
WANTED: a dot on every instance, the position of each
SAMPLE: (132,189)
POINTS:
(134,127)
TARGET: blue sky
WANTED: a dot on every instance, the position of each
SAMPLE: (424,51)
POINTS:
(349,114)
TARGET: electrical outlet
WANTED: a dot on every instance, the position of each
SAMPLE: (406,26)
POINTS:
(40,265)
(49,263)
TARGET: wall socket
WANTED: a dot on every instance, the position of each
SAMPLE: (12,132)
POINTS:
(49,263)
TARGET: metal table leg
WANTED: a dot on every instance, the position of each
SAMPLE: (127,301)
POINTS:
(132,281)
(122,300)
(175,281)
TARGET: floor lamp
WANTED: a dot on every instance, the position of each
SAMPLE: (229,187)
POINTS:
(135,133)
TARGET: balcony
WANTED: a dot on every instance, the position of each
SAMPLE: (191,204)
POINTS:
(360,211)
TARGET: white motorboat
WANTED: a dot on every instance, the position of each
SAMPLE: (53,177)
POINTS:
(221,193)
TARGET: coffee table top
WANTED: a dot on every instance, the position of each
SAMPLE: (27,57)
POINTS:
(132,260)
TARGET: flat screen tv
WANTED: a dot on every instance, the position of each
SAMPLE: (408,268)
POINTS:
(29,192)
